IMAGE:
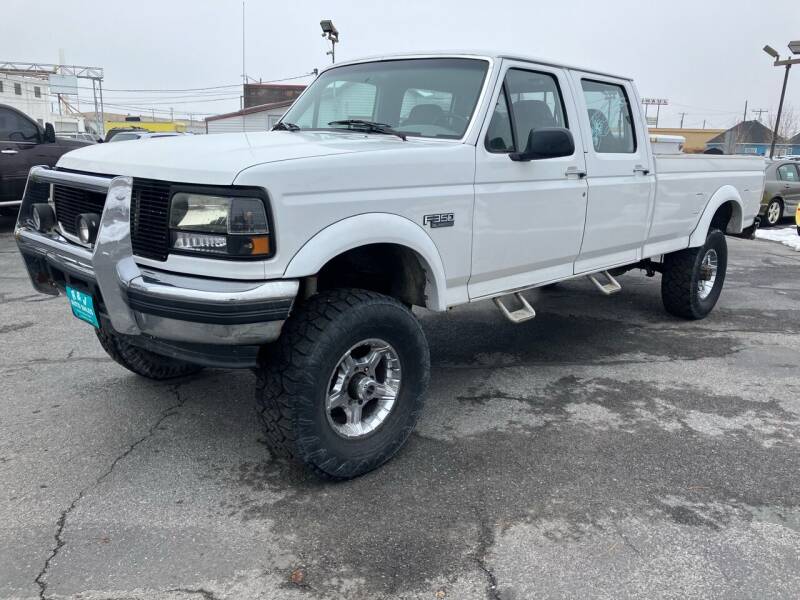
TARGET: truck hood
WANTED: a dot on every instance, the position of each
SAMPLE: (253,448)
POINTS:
(216,159)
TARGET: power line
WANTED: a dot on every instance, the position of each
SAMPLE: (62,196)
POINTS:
(170,90)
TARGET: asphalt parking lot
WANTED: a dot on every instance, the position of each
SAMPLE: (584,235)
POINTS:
(604,449)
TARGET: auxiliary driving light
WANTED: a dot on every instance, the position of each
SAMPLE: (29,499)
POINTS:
(87,225)
(43,217)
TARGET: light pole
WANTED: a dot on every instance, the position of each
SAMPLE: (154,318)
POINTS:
(794,47)
(329,30)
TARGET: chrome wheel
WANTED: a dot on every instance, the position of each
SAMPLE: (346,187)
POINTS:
(773,212)
(363,388)
(708,274)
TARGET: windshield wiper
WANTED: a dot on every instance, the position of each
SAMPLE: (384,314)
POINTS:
(370,126)
(284,126)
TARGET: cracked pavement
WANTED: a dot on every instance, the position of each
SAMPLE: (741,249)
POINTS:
(604,449)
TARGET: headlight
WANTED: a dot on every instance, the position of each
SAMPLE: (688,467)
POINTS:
(232,226)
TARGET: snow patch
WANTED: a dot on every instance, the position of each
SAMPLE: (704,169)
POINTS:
(786,235)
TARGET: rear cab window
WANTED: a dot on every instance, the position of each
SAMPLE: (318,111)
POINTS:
(610,117)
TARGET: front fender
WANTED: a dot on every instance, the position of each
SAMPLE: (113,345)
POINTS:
(727,193)
(373,228)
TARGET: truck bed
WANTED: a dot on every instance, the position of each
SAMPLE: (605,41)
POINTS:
(686,183)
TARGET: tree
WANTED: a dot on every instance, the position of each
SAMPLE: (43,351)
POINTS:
(790,122)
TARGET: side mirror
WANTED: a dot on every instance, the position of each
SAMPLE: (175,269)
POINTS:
(49,134)
(547,142)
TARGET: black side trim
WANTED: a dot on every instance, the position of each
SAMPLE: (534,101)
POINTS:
(222,314)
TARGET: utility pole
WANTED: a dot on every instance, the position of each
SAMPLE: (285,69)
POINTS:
(759,112)
(683,114)
(794,47)
(780,110)
(102,109)
(744,116)
(244,70)
(704,123)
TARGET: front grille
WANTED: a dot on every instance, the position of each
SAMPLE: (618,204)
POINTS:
(71,202)
(37,191)
(150,218)
(149,214)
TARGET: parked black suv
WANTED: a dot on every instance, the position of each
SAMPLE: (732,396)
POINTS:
(23,144)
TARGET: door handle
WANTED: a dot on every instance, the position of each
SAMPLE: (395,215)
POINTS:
(641,169)
(580,173)
(9,151)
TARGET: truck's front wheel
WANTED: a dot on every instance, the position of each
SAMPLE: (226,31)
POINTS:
(692,279)
(343,387)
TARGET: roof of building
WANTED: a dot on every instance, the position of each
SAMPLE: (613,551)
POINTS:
(278,86)
(251,110)
(794,140)
(751,132)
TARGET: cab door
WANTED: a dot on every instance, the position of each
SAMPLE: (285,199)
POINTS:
(789,186)
(529,216)
(620,177)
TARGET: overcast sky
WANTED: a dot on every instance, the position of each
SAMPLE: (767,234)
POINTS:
(704,56)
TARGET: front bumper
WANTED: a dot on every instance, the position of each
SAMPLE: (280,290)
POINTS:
(138,301)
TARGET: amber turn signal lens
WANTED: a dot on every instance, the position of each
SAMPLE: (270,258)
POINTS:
(259,245)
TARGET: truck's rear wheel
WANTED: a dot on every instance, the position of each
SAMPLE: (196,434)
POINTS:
(692,279)
(342,388)
(143,362)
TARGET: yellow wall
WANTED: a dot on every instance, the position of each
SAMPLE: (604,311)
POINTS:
(695,138)
(149,125)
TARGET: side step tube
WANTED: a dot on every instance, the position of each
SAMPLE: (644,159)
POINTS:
(611,286)
(526,313)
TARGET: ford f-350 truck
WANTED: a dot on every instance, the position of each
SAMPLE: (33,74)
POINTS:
(418,180)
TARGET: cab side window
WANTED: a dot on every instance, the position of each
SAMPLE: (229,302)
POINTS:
(499,137)
(16,128)
(529,100)
(610,117)
(788,173)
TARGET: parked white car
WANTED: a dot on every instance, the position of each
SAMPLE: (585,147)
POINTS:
(394,182)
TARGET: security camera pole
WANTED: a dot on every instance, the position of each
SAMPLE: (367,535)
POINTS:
(329,30)
(794,47)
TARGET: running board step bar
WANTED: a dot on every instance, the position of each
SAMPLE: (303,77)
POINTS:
(526,313)
(611,286)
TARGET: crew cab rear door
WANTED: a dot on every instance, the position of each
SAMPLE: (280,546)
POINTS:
(528,221)
(618,164)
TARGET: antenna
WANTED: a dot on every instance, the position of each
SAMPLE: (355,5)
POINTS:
(244,70)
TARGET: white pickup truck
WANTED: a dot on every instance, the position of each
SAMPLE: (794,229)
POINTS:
(421,180)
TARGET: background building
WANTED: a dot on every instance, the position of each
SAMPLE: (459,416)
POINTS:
(148,121)
(258,94)
(255,118)
(696,139)
(751,137)
(32,96)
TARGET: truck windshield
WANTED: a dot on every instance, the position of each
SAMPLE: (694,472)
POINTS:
(425,97)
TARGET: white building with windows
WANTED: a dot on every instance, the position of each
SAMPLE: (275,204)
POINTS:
(32,96)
